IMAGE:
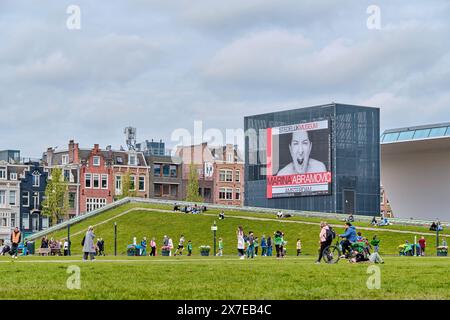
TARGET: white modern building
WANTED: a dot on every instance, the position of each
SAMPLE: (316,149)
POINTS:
(415,171)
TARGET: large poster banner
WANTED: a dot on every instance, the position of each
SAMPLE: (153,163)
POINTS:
(299,160)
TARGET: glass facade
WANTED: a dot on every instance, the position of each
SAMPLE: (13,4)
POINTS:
(423,132)
(355,159)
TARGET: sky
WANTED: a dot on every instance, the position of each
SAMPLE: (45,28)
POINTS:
(161,65)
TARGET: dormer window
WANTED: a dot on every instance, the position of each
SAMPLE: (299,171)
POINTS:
(36,179)
(13,176)
(96,161)
(132,160)
(65,159)
(119,160)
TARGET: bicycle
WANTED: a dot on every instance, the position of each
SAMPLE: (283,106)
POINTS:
(332,253)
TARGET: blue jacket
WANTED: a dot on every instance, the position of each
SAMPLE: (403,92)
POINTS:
(263,243)
(350,234)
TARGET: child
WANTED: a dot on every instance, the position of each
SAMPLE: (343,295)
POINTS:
(375,243)
(189,248)
(299,247)
(263,246)
(220,253)
(256,245)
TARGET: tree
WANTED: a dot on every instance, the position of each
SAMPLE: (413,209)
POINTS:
(193,187)
(128,187)
(56,202)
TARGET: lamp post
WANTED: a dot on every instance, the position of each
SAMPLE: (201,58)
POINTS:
(214,230)
(68,239)
(115,238)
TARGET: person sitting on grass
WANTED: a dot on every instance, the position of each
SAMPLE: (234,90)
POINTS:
(349,237)
(221,215)
(374,221)
(176,207)
(359,237)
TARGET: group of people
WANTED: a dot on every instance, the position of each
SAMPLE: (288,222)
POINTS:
(12,247)
(436,226)
(168,246)
(354,246)
(248,244)
(193,209)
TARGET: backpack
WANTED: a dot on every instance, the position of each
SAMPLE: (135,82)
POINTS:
(331,234)
(82,241)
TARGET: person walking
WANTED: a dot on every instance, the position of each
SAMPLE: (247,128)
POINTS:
(256,242)
(16,237)
(220,253)
(324,239)
(170,245)
(299,247)
(263,246)
(180,247)
(423,245)
(251,245)
(278,239)
(240,242)
(144,246)
(153,247)
(88,244)
(269,246)
(189,248)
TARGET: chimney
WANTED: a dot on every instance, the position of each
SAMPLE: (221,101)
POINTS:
(71,150)
(49,156)
(76,154)
(96,148)
(108,148)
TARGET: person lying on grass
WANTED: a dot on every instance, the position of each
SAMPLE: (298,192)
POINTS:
(361,257)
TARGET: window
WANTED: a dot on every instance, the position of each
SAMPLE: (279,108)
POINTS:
(88,180)
(25,198)
(166,170)
(158,190)
(226,175)
(96,181)
(238,176)
(142,183)
(421,134)
(96,161)
(132,183)
(166,189)
(65,159)
(226,194)
(26,221)
(13,220)
(2,198)
(132,160)
(71,200)
(173,171)
(157,170)
(36,200)
(118,184)
(13,176)
(12,197)
(2,173)
(230,157)
(406,135)
(174,190)
(390,137)
(36,178)
(119,160)
(95,203)
(104,181)
(66,175)
(238,194)
(229,193)
(44,222)
(437,132)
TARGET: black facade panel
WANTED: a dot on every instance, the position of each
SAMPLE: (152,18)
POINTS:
(355,158)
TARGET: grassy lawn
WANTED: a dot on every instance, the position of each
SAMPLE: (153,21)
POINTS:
(197,228)
(222,278)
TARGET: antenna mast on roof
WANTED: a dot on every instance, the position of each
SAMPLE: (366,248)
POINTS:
(130,134)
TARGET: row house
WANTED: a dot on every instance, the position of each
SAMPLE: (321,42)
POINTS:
(134,164)
(32,192)
(165,177)
(220,171)
(10,196)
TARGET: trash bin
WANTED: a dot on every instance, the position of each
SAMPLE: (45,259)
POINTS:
(30,247)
